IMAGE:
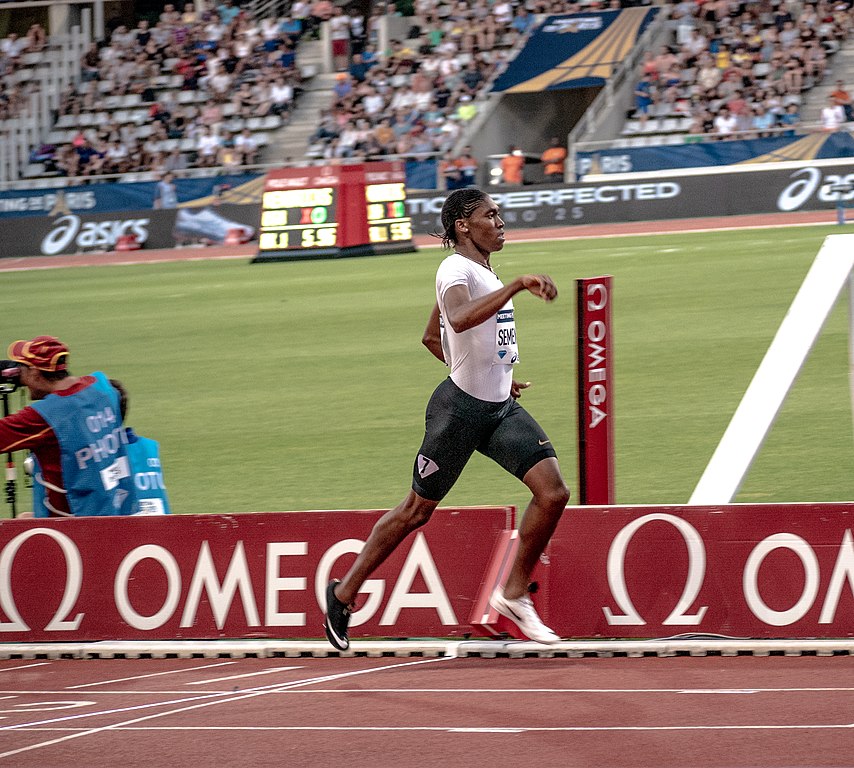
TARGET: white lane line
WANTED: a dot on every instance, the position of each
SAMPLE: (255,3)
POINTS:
(206,700)
(725,691)
(447,691)
(80,731)
(486,730)
(25,666)
(247,674)
(152,674)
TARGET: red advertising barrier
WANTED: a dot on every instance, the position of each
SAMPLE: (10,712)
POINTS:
(595,372)
(249,575)
(767,570)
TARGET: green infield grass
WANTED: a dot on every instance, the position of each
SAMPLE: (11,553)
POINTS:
(295,386)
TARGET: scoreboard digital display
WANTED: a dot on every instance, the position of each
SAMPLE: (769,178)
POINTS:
(387,219)
(298,218)
(335,210)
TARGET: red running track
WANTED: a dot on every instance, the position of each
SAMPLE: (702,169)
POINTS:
(352,712)
(712,712)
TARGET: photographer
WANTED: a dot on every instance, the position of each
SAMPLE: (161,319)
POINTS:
(74,428)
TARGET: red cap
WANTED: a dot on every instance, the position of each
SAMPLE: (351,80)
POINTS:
(45,353)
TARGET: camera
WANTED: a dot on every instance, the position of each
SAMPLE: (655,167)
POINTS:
(10,375)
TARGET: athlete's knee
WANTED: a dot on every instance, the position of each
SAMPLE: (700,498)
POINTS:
(553,496)
(415,511)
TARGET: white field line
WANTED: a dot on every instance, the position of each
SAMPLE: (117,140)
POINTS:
(202,701)
(247,674)
(151,674)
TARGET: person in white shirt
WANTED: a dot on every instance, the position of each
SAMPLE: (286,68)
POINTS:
(725,122)
(472,330)
(13,46)
(339,35)
(247,146)
(832,116)
(281,96)
(207,146)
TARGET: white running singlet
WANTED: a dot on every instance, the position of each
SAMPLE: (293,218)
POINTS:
(481,359)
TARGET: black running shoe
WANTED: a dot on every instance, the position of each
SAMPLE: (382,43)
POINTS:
(337,619)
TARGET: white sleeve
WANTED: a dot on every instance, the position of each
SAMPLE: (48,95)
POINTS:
(451,272)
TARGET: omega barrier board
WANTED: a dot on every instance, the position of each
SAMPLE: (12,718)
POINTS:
(744,570)
(235,576)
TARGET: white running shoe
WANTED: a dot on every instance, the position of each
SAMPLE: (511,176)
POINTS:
(522,613)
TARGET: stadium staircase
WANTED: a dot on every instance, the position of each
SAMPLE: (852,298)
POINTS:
(290,143)
(840,67)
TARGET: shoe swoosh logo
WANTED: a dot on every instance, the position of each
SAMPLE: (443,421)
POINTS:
(543,442)
(341,641)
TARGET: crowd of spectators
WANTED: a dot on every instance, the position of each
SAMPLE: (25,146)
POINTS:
(14,49)
(739,69)
(415,98)
(178,93)
(192,81)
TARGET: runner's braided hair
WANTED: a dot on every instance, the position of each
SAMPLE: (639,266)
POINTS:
(460,204)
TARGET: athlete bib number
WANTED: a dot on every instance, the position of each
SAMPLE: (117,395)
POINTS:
(506,348)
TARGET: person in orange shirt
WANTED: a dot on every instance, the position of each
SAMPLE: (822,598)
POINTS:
(511,166)
(553,159)
(842,97)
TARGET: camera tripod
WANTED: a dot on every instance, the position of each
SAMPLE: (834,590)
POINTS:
(11,486)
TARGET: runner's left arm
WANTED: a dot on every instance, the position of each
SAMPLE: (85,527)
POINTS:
(432,338)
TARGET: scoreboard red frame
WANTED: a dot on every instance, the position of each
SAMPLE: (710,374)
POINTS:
(334,211)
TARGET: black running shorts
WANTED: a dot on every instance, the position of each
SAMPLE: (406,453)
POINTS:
(457,425)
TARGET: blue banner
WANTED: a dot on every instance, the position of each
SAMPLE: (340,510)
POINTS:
(577,50)
(107,197)
(138,196)
(815,146)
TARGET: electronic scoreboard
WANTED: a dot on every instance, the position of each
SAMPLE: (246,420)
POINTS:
(334,211)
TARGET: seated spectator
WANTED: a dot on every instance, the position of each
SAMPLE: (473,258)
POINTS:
(228,155)
(36,38)
(725,123)
(247,146)
(189,16)
(117,157)
(789,119)
(466,108)
(207,147)
(815,63)
(227,11)
(281,96)
(358,68)
(523,20)
(13,46)
(762,122)
(90,159)
(384,137)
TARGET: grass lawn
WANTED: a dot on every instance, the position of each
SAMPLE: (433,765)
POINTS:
(302,385)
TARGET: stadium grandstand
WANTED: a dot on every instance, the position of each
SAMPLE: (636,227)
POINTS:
(203,89)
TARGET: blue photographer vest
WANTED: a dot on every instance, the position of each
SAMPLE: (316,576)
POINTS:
(144,455)
(40,508)
(93,446)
